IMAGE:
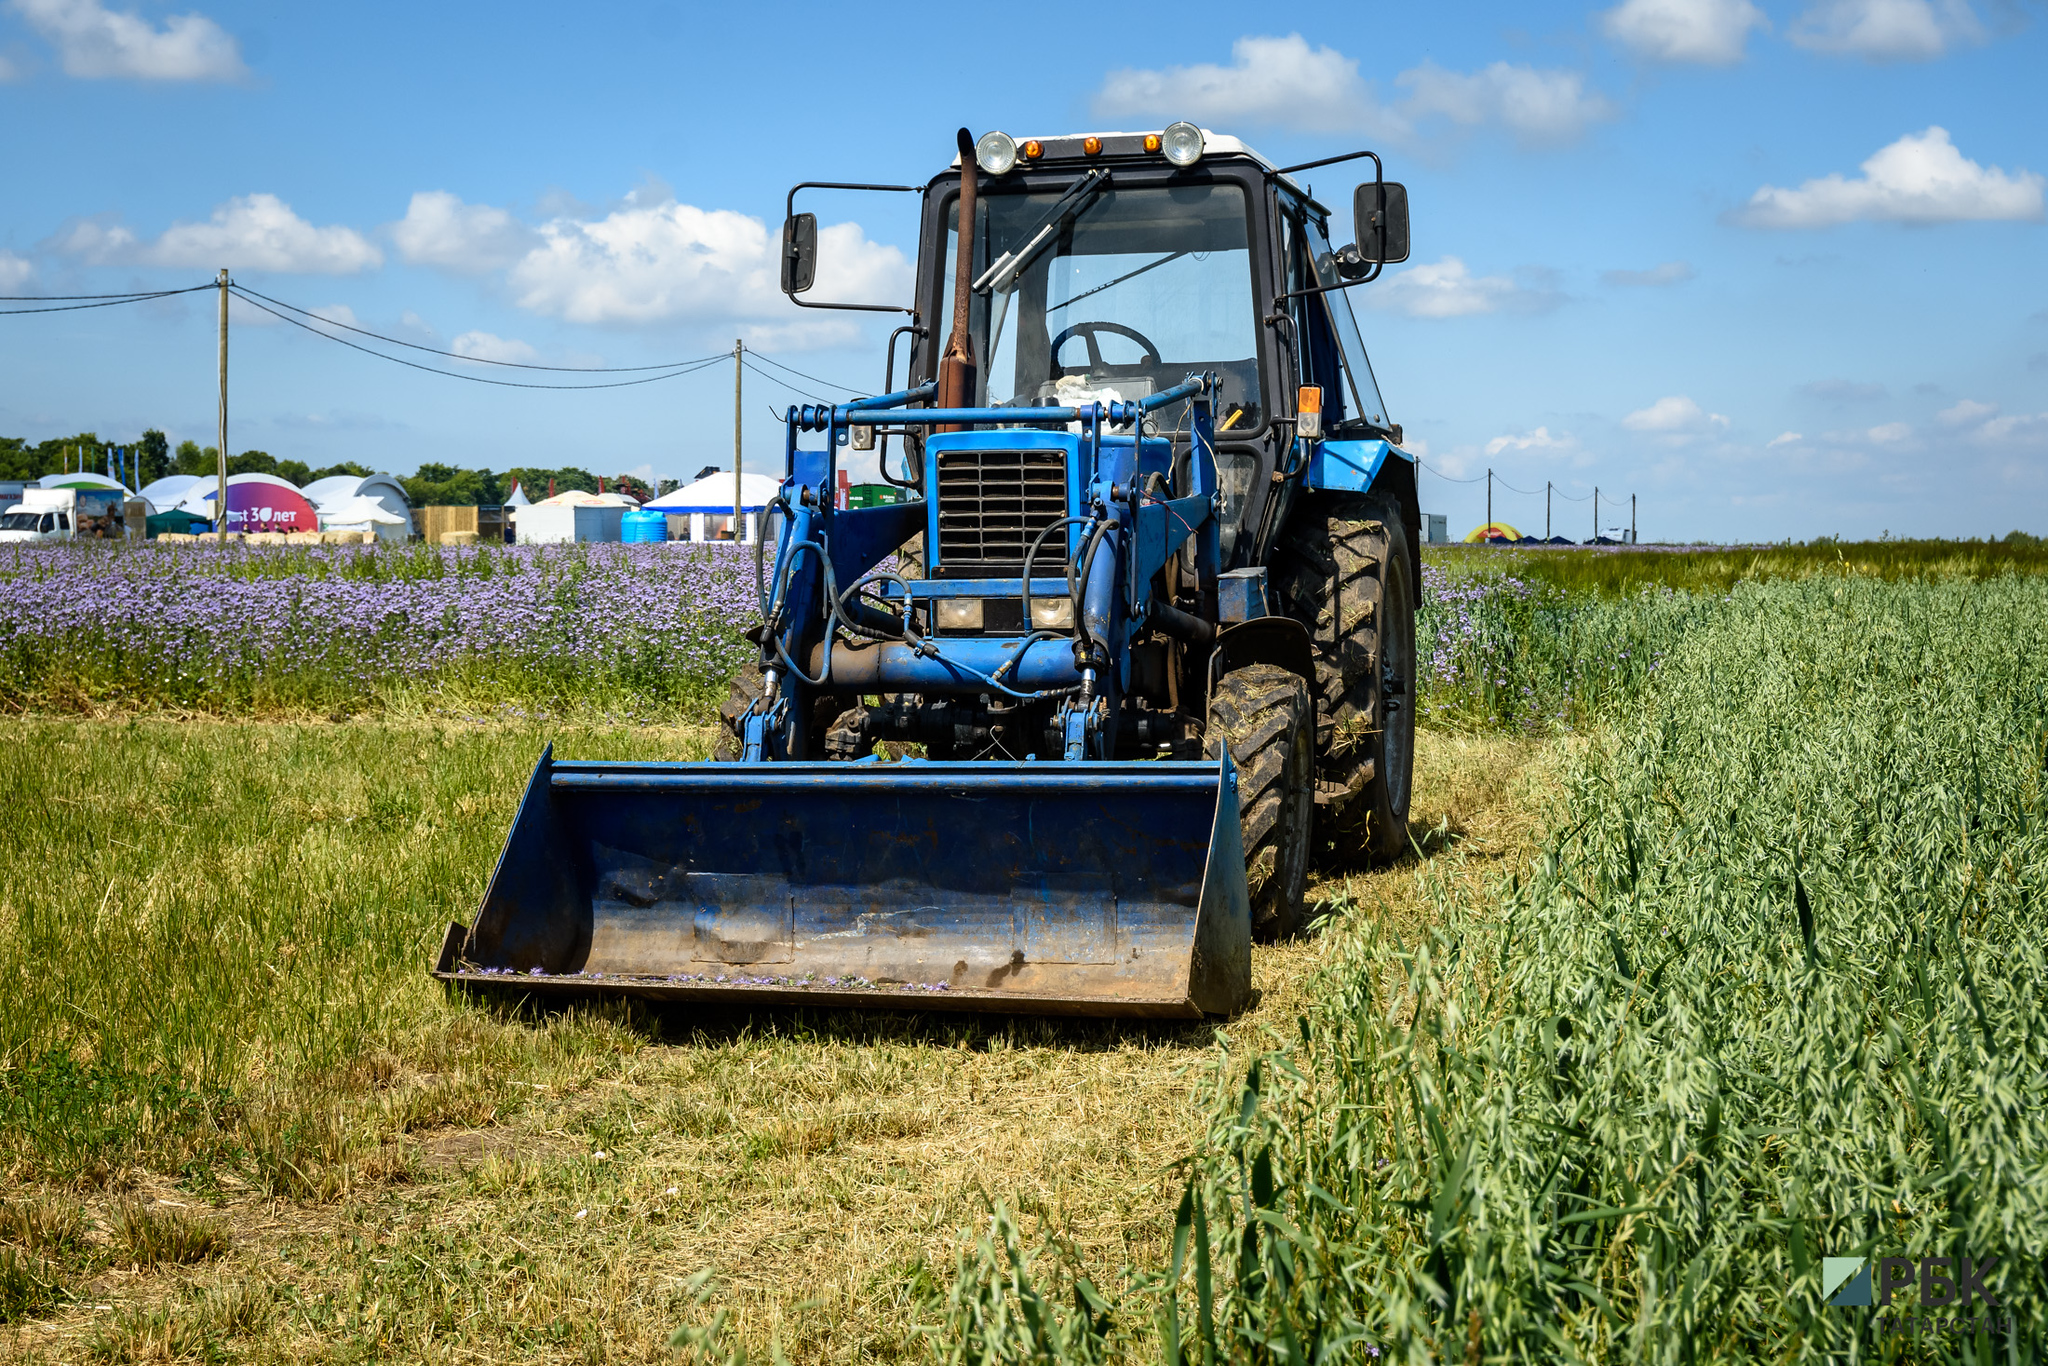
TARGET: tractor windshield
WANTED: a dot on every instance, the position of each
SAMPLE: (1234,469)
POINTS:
(1135,289)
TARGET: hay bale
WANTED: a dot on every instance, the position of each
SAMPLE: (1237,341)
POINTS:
(458,538)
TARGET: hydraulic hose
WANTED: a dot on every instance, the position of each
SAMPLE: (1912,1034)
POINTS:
(1084,639)
(1031,559)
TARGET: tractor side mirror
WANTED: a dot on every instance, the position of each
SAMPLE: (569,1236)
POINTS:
(1380,212)
(800,252)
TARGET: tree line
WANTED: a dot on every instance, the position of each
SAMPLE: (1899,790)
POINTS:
(433,485)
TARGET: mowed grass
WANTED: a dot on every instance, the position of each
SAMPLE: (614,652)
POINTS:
(238,1120)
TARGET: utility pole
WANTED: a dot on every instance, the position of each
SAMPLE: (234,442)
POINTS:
(1631,519)
(1489,505)
(738,349)
(221,512)
(1546,509)
(1596,514)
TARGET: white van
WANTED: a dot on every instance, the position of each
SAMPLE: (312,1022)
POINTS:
(41,515)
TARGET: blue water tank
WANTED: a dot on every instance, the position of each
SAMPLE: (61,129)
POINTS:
(640,526)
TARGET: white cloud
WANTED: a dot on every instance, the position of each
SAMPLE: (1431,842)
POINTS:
(1705,32)
(1965,412)
(1538,440)
(1784,439)
(485,346)
(653,259)
(1887,30)
(95,42)
(1447,289)
(1921,178)
(250,232)
(1889,433)
(8,70)
(440,230)
(1674,415)
(2028,430)
(1284,82)
(1536,106)
(1279,81)
(260,232)
(14,271)
(1669,273)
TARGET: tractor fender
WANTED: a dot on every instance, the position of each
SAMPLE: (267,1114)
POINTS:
(1264,640)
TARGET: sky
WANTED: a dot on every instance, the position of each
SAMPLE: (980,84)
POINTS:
(1776,270)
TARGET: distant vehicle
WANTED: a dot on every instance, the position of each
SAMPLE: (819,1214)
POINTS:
(62,515)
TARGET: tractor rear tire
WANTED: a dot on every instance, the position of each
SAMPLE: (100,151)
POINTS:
(1344,572)
(748,687)
(1263,712)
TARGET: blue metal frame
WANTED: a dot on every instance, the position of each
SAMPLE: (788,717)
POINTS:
(1349,466)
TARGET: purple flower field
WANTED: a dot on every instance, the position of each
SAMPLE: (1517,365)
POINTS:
(634,629)
(213,627)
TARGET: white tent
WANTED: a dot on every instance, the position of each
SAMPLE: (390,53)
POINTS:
(581,498)
(360,513)
(711,497)
(713,494)
(518,498)
(340,490)
(173,490)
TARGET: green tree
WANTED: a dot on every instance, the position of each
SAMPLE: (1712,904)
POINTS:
(152,456)
(348,467)
(437,485)
(535,481)
(192,458)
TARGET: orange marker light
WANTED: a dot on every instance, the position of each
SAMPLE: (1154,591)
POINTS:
(1091,145)
(1151,142)
(1308,412)
(1033,150)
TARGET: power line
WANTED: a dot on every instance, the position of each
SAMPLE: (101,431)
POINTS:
(801,375)
(1447,478)
(684,368)
(107,300)
(478,360)
(781,382)
(1526,493)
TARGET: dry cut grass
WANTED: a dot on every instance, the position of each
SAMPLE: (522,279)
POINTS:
(378,1172)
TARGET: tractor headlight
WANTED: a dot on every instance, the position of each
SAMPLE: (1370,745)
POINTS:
(959,614)
(996,153)
(1181,143)
(1052,614)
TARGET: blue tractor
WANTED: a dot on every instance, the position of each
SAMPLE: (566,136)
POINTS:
(1063,731)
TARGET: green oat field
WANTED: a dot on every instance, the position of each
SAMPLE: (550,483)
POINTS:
(1695,976)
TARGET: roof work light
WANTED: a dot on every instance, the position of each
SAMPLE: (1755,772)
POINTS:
(995,153)
(1182,143)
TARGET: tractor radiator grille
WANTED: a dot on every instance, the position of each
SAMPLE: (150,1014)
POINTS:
(992,505)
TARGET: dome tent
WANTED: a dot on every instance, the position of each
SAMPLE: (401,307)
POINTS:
(337,493)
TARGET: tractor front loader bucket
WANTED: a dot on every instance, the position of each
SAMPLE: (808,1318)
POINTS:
(1048,888)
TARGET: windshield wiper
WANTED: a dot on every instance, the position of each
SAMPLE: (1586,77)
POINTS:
(1149,265)
(1004,273)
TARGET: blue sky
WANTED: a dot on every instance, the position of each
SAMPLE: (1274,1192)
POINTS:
(1777,269)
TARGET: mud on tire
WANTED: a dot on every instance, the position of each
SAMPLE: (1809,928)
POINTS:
(1264,714)
(1343,570)
(748,686)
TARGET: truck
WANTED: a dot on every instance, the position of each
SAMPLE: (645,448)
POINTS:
(1064,731)
(62,515)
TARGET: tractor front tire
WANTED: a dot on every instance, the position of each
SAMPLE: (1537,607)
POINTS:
(1344,572)
(1264,714)
(749,685)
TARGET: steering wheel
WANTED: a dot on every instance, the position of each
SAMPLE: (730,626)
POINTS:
(1089,331)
